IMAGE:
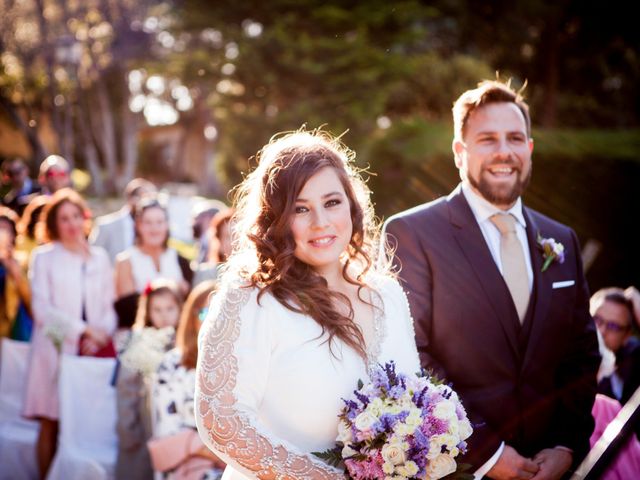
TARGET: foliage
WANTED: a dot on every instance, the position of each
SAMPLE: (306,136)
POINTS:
(340,64)
(65,62)
(581,58)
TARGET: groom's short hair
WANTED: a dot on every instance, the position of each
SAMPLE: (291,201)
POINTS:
(487,91)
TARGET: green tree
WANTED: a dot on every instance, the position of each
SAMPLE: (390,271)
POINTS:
(352,66)
(581,58)
(69,61)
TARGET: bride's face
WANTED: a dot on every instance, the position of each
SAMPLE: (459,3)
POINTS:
(321,224)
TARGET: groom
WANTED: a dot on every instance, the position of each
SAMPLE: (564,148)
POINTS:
(502,319)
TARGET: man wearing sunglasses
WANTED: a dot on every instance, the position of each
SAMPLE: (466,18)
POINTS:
(613,311)
(54,174)
(15,174)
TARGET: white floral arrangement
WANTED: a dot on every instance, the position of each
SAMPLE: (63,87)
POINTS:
(57,329)
(146,348)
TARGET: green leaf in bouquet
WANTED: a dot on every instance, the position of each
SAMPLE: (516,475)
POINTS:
(332,456)
(433,378)
(378,441)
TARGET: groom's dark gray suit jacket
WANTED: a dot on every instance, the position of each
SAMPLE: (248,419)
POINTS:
(531,386)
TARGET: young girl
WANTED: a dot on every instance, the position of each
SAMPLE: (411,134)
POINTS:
(152,335)
(176,449)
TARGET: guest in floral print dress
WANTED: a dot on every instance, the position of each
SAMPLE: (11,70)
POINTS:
(152,336)
(176,448)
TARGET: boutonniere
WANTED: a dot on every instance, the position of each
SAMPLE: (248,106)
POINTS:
(552,251)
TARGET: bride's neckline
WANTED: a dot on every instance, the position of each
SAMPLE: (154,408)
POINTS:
(374,346)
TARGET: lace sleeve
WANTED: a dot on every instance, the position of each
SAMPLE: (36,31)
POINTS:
(228,427)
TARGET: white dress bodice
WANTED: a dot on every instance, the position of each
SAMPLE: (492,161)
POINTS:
(269,389)
(144,269)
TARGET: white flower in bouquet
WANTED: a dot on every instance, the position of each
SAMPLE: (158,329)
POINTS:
(365,421)
(344,432)
(146,349)
(465,429)
(441,466)
(408,470)
(394,453)
(347,452)
(375,407)
(56,330)
(445,410)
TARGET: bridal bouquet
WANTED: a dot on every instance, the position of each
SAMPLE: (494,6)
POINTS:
(401,427)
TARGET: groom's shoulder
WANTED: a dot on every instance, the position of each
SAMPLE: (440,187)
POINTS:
(424,212)
(547,227)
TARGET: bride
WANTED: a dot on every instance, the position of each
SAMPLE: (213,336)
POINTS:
(304,309)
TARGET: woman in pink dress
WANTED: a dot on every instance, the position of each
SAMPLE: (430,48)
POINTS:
(72,293)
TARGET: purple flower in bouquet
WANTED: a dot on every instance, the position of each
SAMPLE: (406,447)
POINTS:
(401,427)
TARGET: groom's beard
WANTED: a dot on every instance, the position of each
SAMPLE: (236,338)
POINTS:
(496,195)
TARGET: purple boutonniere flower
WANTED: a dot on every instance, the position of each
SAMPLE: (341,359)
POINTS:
(551,251)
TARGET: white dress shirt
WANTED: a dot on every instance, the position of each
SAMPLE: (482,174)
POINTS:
(483,211)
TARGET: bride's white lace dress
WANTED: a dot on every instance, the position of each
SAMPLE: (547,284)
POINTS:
(269,389)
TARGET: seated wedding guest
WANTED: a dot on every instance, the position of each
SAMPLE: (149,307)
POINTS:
(15,173)
(55,174)
(15,293)
(220,238)
(72,304)
(613,312)
(176,448)
(626,464)
(114,232)
(604,410)
(153,334)
(148,259)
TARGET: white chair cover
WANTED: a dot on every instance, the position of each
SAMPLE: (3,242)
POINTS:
(17,435)
(87,441)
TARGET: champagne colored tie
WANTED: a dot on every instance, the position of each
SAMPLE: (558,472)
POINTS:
(514,268)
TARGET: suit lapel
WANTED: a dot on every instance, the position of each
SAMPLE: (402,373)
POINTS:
(542,286)
(475,249)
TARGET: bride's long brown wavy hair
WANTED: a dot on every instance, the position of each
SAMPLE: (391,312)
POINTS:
(264,246)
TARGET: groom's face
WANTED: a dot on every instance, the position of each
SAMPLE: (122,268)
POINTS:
(494,156)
